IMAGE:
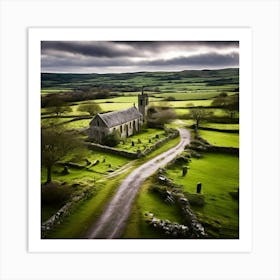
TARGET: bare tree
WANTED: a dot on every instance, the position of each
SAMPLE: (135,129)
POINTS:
(158,117)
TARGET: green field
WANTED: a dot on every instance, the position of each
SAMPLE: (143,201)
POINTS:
(220,213)
(221,138)
(219,175)
(182,104)
(224,126)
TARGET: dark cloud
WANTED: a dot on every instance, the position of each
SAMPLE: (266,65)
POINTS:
(98,49)
(156,45)
(208,59)
(105,56)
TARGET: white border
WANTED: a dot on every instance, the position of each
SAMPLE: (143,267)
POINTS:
(243,35)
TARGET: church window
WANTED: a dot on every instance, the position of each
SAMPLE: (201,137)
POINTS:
(121,128)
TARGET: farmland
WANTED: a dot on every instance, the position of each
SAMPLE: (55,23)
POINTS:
(101,172)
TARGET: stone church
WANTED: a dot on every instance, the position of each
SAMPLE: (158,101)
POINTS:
(127,122)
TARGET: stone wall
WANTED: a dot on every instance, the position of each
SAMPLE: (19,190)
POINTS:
(161,142)
(114,151)
(134,155)
(64,211)
(227,150)
(219,130)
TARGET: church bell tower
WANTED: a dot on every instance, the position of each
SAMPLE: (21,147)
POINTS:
(143,104)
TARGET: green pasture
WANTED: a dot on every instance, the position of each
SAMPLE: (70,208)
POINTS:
(219,175)
(55,90)
(187,95)
(77,124)
(220,138)
(190,96)
(106,107)
(182,104)
(53,121)
(220,213)
(225,126)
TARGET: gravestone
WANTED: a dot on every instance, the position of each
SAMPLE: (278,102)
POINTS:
(184,171)
(198,187)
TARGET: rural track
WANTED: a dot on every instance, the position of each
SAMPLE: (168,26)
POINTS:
(112,221)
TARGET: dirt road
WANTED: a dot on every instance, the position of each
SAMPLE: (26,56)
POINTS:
(113,220)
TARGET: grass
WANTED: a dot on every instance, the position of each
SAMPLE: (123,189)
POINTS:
(149,202)
(95,172)
(84,215)
(77,224)
(219,175)
(78,124)
(221,138)
(54,90)
(223,126)
(182,104)
(220,213)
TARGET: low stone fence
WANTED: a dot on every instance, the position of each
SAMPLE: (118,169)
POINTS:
(64,211)
(201,145)
(172,194)
(134,155)
(123,153)
(219,130)
(161,142)
(227,150)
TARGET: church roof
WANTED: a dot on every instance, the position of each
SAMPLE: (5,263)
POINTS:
(119,117)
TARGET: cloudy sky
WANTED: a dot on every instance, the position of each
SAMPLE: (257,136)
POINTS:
(132,56)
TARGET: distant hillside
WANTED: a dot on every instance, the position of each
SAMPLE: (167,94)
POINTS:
(155,81)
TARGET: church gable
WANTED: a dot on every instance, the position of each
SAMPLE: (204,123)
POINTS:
(98,121)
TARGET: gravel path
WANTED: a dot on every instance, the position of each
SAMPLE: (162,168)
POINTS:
(112,222)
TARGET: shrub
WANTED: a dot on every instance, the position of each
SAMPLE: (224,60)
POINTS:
(54,194)
(112,139)
(170,98)
(195,199)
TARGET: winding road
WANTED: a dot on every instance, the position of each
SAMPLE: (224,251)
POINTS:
(112,222)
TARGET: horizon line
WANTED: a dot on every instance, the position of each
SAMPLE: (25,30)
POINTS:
(156,71)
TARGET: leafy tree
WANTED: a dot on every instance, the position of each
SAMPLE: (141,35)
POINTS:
(57,105)
(231,103)
(199,114)
(56,144)
(91,108)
